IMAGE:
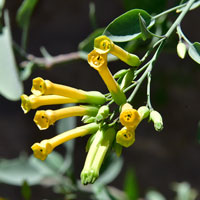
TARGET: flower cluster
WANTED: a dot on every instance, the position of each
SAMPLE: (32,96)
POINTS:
(106,133)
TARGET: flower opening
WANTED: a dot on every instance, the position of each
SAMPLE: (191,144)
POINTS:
(125,137)
(129,117)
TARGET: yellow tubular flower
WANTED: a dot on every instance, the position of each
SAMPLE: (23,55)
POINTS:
(103,44)
(33,101)
(99,62)
(45,147)
(45,87)
(44,119)
(125,137)
(129,117)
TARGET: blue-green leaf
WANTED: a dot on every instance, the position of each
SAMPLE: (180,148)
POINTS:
(10,84)
(33,171)
(130,185)
(184,191)
(18,170)
(127,26)
(2,2)
(154,195)
(102,193)
(25,11)
(111,171)
(26,71)
(194,52)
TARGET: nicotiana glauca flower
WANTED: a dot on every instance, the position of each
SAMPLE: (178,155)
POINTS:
(157,120)
(125,136)
(45,147)
(33,101)
(99,62)
(45,118)
(103,44)
(45,87)
(100,145)
(129,117)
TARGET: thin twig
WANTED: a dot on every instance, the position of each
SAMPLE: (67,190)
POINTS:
(49,62)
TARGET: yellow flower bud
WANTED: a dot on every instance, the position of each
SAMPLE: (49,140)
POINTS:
(129,117)
(125,137)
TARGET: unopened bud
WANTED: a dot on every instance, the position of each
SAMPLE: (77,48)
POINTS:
(120,73)
(157,120)
(87,119)
(102,113)
(181,50)
(143,112)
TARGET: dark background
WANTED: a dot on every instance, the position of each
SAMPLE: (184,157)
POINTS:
(158,158)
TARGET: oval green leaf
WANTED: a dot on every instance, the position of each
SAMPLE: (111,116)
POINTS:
(127,26)
(194,52)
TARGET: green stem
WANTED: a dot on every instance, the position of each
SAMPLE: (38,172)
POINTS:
(182,35)
(149,68)
(149,89)
(161,42)
(169,10)
(179,18)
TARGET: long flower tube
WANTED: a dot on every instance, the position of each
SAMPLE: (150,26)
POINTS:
(103,44)
(46,87)
(45,147)
(33,101)
(96,154)
(99,62)
(45,118)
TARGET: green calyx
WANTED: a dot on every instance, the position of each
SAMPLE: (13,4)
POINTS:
(119,97)
(91,110)
(94,97)
(133,60)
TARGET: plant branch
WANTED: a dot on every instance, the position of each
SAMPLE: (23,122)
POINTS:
(149,89)
(51,61)
(169,10)
(179,18)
